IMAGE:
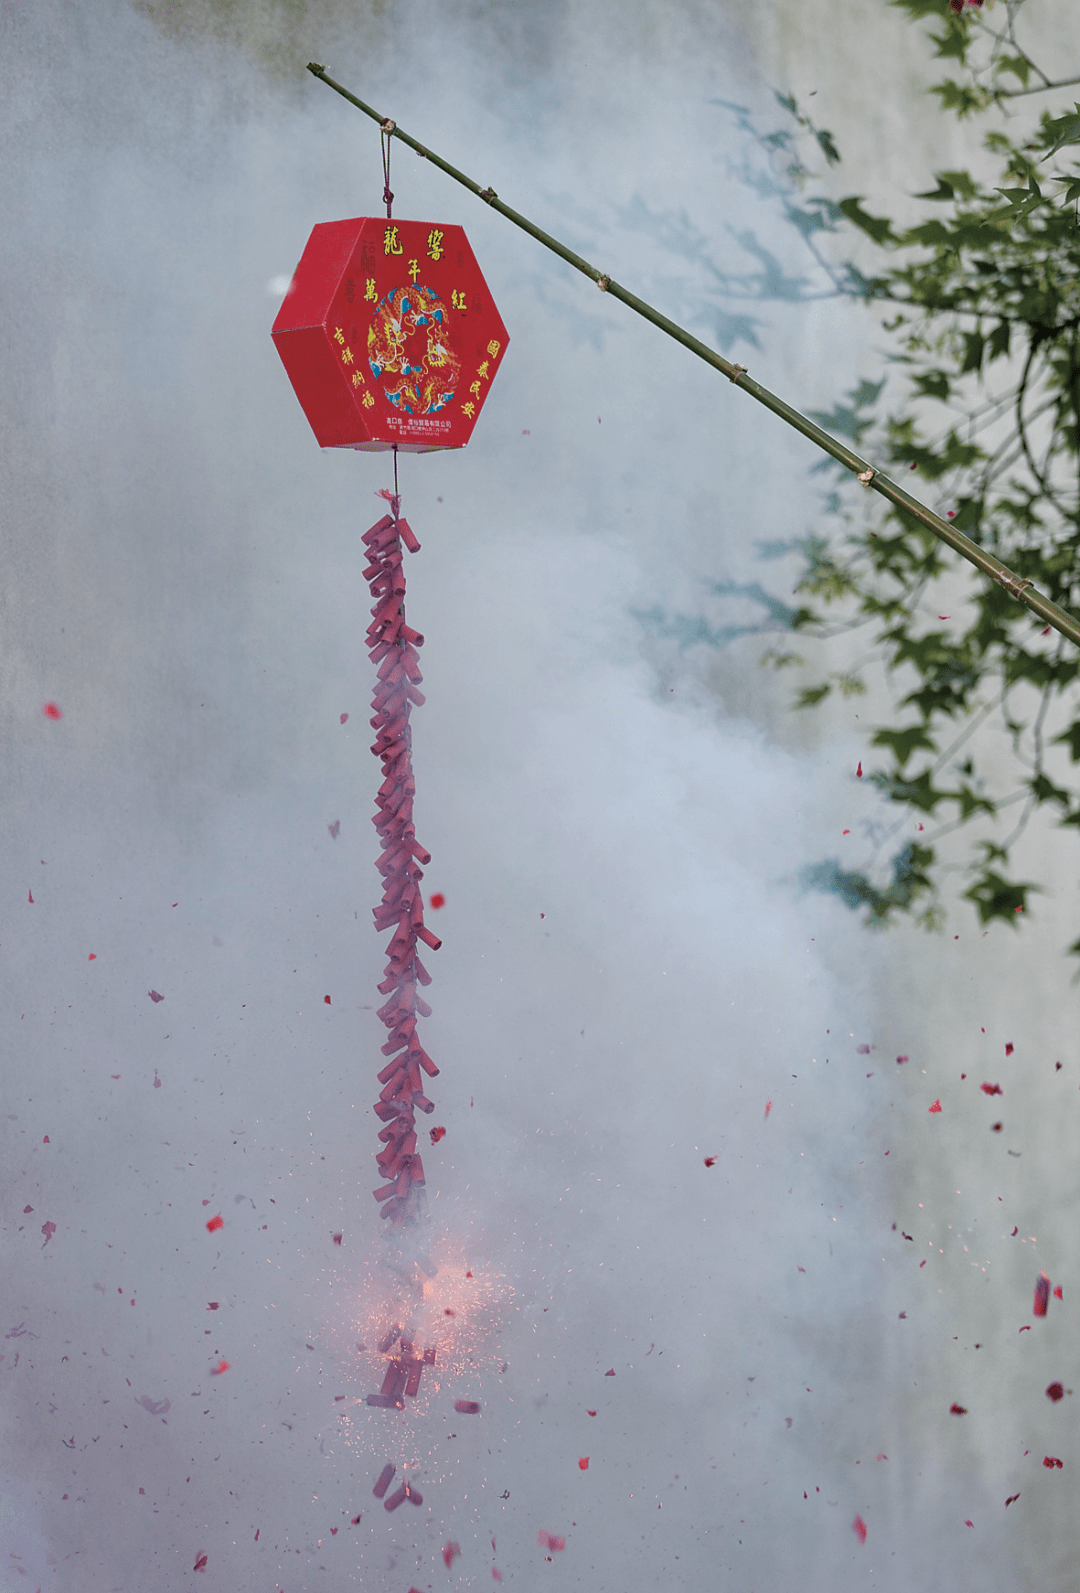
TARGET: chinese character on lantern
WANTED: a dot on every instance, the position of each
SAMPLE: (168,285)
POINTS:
(390,241)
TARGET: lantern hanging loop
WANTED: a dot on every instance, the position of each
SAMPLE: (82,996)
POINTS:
(1062,621)
(386,130)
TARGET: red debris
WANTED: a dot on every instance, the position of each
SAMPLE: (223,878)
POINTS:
(216,1371)
(31,896)
(1058,1295)
(337,1238)
(858,1526)
(1011,1500)
(710,1161)
(1050,1461)
(768,1108)
(438,900)
(935,1108)
(496,1575)
(450,1553)
(995,1128)
(1055,1391)
(51,711)
(92,957)
(610,1373)
(200,1562)
(335,829)
(154,996)
(214,1224)
(437,1134)
(957,1410)
(344,719)
(991,1089)
(1042,1295)
(467,1407)
(583,1463)
(327,1001)
(1008,1048)
(862,1050)
(551,1540)
(969,1523)
(858,771)
(902,1059)
(590,1413)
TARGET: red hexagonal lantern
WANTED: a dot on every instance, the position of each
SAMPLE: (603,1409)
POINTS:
(390,335)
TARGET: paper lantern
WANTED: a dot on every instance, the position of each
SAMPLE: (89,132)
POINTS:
(389,335)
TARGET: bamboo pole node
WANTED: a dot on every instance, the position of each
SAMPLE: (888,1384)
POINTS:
(736,372)
(387,127)
(866,476)
(487,195)
(1012,583)
(603,283)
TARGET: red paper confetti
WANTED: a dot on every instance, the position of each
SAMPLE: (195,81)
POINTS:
(450,1553)
(862,1050)
(200,1563)
(901,1059)
(610,1372)
(1009,1048)
(935,1108)
(496,1575)
(583,1463)
(45,1141)
(858,1526)
(1055,1391)
(969,1523)
(344,719)
(438,900)
(1058,1294)
(957,1410)
(590,1413)
(216,1371)
(154,996)
(31,896)
(335,829)
(51,711)
(551,1540)
(858,772)
(1050,1461)
(467,1407)
(991,1089)
(337,1238)
(710,1161)
(1042,1295)
(995,1128)
(437,1134)
(768,1108)
(215,1223)
(327,1000)
(1011,1499)
(92,957)
(48,1229)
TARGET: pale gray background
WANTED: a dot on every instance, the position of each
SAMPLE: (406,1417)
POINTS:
(182,576)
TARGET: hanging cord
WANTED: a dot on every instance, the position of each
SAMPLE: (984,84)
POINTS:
(385,130)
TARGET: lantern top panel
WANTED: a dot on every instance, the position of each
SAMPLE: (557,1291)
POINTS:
(390,335)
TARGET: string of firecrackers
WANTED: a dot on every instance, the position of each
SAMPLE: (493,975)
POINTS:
(393,648)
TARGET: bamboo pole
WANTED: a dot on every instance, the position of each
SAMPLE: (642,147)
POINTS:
(1067,624)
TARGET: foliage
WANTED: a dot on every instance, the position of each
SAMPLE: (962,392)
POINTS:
(982,301)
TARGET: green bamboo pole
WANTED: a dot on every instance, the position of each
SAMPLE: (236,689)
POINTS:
(1067,624)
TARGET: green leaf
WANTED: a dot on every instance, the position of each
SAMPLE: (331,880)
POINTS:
(974,343)
(1072,739)
(812,695)
(961,99)
(1061,130)
(1018,65)
(944,190)
(828,148)
(998,898)
(999,338)
(932,384)
(877,227)
(904,742)
(1044,790)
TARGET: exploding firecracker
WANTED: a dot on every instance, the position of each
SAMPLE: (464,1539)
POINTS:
(393,647)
